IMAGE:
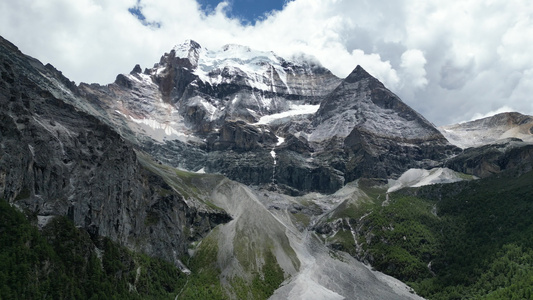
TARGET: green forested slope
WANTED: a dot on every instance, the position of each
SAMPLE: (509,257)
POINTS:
(64,262)
(61,262)
(476,237)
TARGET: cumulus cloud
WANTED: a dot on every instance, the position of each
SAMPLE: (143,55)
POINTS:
(450,60)
(413,72)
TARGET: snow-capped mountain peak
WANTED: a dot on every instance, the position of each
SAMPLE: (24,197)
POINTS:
(230,55)
(236,48)
(195,89)
(189,50)
(184,49)
(259,70)
(236,60)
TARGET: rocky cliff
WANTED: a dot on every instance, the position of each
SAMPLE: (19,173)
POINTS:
(56,159)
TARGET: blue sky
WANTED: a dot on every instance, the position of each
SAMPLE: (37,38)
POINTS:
(249,11)
(451,60)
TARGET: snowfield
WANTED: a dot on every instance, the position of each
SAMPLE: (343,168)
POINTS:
(294,110)
(421,177)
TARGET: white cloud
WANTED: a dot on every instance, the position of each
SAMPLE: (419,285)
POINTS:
(521,96)
(448,60)
(516,46)
(413,73)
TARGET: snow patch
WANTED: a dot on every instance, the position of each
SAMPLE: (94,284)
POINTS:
(421,177)
(281,140)
(141,78)
(294,110)
(120,113)
(159,131)
(273,154)
(208,107)
(159,71)
(156,125)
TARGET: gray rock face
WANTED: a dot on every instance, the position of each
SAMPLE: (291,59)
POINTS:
(364,130)
(492,145)
(239,136)
(251,167)
(494,158)
(58,160)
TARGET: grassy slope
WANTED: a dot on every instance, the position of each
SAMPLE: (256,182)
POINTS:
(204,283)
(192,186)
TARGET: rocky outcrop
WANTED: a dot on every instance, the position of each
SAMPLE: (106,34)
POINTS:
(372,156)
(250,167)
(297,175)
(493,144)
(58,160)
(494,158)
(239,136)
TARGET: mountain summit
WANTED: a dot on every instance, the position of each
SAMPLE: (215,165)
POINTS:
(235,65)
(357,74)
(380,135)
